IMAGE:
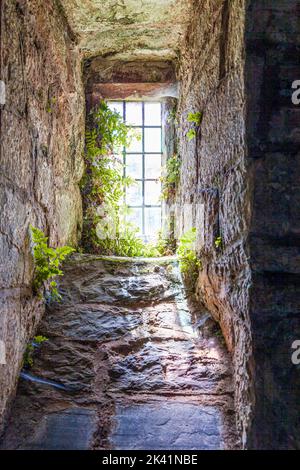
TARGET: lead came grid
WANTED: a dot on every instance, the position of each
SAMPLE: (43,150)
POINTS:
(142,161)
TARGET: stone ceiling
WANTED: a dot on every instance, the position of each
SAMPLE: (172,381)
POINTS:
(128,29)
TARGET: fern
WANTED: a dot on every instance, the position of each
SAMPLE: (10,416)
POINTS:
(47,261)
(189,262)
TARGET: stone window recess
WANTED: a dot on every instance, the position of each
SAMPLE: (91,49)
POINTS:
(143,162)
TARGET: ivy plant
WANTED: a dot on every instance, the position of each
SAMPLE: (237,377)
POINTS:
(191,134)
(47,262)
(109,128)
(195,119)
(189,262)
(172,116)
(103,184)
(170,178)
(106,228)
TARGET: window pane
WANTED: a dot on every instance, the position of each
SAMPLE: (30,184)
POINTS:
(134,166)
(116,106)
(152,166)
(152,140)
(152,114)
(136,144)
(135,217)
(134,194)
(136,161)
(152,221)
(152,193)
(134,114)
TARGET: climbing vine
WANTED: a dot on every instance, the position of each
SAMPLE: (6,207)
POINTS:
(106,229)
(172,116)
(103,184)
(170,178)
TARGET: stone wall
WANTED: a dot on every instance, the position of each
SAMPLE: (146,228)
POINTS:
(240,181)
(214,194)
(42,128)
(272,65)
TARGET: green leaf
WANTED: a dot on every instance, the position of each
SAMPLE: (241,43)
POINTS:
(218,242)
(47,261)
(191,134)
(171,177)
(188,260)
(40,339)
(195,118)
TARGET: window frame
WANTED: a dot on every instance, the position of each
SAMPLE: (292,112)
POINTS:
(143,153)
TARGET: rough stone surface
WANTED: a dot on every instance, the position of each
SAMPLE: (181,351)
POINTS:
(131,79)
(172,426)
(40,161)
(129,28)
(126,346)
(272,65)
(67,430)
(213,188)
(239,181)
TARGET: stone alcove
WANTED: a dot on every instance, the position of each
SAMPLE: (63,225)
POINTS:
(235,62)
(141,82)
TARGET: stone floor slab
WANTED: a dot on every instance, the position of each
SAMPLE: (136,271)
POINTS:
(67,430)
(169,426)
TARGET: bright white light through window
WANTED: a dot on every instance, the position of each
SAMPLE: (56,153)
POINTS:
(142,162)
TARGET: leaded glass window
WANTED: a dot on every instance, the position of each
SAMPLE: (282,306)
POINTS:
(143,161)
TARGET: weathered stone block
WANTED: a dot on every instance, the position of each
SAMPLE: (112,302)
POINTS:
(42,129)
